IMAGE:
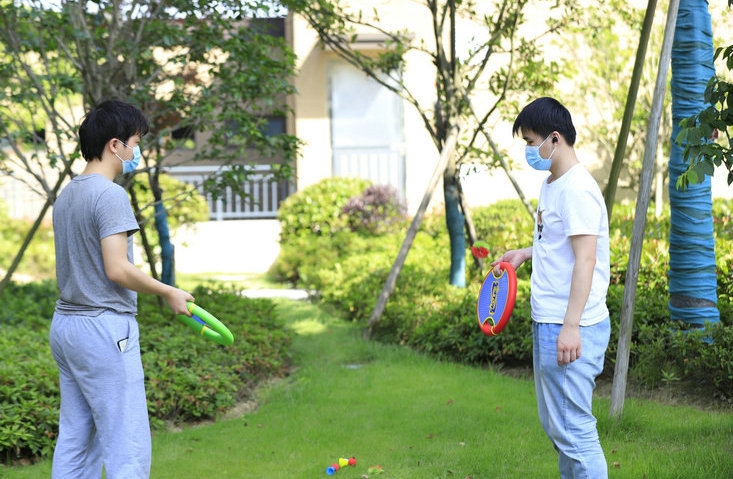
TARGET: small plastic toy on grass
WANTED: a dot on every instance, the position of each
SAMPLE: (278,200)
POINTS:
(375,470)
(331,470)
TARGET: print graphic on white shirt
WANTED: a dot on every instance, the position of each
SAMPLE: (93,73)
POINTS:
(539,224)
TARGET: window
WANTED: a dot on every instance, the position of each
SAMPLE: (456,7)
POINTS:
(275,126)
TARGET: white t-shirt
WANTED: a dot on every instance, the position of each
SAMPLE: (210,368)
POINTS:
(571,205)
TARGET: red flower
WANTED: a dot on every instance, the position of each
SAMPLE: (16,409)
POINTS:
(479,252)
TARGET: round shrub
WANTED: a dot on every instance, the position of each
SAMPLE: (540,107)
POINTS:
(379,209)
(316,209)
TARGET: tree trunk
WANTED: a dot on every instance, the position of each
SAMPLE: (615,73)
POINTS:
(167,251)
(618,391)
(446,154)
(470,229)
(143,234)
(455,220)
(692,271)
(659,182)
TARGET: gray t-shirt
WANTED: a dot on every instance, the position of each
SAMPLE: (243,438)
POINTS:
(88,209)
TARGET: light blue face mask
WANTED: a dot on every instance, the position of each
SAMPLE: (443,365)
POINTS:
(130,165)
(532,153)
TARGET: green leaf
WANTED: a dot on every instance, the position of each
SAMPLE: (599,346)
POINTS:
(682,135)
(706,167)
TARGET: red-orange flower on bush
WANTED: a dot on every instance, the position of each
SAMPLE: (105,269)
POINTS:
(479,250)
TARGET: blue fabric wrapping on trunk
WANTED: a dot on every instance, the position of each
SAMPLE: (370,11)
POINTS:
(691,240)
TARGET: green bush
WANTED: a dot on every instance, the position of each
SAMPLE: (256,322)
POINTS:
(186,378)
(312,212)
(317,208)
(425,313)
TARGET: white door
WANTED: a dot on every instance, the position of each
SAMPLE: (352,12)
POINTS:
(366,127)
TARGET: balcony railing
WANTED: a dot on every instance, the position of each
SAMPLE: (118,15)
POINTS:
(262,192)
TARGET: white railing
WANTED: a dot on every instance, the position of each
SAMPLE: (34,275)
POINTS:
(262,192)
(381,165)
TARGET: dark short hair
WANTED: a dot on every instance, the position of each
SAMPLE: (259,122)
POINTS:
(543,116)
(110,119)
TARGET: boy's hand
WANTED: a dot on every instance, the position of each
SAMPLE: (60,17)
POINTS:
(514,257)
(568,344)
(178,301)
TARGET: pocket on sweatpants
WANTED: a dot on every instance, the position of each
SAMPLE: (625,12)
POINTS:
(133,335)
(120,331)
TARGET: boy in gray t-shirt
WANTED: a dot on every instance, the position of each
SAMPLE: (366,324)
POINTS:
(94,337)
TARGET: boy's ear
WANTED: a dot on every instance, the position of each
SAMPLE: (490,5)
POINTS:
(113,145)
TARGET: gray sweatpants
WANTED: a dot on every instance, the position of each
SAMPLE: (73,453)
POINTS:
(104,416)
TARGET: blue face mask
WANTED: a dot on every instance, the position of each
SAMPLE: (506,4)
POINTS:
(532,153)
(130,165)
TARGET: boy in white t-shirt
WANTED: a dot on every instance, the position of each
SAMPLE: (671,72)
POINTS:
(570,275)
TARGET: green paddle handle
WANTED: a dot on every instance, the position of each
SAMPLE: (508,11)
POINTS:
(214,330)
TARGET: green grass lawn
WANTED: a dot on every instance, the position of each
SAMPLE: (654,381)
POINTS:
(417,418)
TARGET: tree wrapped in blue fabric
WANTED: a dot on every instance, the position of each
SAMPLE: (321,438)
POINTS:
(692,273)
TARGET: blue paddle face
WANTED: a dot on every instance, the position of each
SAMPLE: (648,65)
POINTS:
(493,298)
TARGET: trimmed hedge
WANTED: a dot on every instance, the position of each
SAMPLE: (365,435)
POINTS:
(425,313)
(317,208)
(186,378)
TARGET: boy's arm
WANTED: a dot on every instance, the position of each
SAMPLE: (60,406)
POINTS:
(126,274)
(515,257)
(568,341)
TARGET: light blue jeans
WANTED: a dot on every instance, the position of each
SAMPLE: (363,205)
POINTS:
(103,419)
(564,398)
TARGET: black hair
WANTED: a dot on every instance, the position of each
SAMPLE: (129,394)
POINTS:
(110,119)
(543,116)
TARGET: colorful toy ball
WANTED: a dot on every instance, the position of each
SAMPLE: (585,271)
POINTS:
(342,462)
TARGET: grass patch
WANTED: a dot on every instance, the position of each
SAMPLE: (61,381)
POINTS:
(417,418)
